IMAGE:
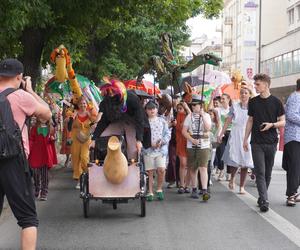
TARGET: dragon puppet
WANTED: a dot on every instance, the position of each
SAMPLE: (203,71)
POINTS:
(167,70)
(68,85)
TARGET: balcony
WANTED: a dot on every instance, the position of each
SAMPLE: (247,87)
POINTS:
(227,42)
(228,20)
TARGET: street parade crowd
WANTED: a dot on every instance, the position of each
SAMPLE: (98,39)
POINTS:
(183,140)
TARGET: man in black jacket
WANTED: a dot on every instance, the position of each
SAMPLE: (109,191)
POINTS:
(114,121)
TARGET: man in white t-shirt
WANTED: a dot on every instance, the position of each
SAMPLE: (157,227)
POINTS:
(196,130)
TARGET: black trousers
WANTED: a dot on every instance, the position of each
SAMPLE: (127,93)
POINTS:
(291,163)
(219,153)
(263,158)
(16,184)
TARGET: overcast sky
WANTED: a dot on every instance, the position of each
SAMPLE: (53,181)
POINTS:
(199,26)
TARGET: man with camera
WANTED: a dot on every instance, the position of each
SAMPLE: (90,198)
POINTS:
(15,180)
(266,114)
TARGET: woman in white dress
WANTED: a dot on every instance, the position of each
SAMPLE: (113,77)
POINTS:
(234,155)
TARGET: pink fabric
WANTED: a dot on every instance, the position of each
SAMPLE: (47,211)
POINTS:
(22,104)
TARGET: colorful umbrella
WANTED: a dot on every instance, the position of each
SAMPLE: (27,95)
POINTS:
(146,86)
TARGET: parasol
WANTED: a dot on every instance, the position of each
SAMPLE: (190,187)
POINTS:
(146,86)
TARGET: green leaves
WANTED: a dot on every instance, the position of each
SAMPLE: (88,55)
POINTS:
(103,37)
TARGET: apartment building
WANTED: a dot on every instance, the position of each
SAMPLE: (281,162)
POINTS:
(239,37)
(280,44)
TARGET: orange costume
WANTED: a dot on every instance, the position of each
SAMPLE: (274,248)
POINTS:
(80,149)
(180,139)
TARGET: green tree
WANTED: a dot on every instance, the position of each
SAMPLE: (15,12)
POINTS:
(104,37)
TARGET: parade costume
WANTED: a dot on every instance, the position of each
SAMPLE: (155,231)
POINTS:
(122,115)
(80,135)
(42,157)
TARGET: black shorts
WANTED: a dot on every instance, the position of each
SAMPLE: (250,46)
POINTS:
(17,186)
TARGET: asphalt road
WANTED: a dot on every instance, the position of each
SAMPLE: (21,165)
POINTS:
(227,221)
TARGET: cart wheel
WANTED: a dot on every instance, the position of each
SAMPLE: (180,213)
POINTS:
(143,206)
(86,206)
(85,199)
(114,205)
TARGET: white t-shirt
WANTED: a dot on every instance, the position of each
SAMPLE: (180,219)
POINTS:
(191,122)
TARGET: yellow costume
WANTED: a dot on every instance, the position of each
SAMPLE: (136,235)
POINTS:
(79,150)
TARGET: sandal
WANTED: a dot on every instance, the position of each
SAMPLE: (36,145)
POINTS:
(187,190)
(291,201)
(231,185)
(242,190)
(181,190)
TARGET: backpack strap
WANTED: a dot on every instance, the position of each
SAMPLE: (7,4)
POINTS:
(7,91)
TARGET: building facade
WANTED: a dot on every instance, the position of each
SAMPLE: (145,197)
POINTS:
(280,44)
(239,37)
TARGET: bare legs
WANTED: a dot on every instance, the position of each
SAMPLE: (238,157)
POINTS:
(203,176)
(160,179)
(243,177)
(183,171)
(28,238)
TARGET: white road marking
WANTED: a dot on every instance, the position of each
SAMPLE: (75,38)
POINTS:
(281,224)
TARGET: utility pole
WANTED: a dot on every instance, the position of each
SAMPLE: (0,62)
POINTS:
(259,37)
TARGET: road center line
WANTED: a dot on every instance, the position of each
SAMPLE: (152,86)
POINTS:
(281,224)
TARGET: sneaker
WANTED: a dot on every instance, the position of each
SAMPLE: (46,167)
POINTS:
(160,195)
(264,207)
(77,185)
(181,190)
(200,192)
(210,183)
(171,185)
(187,190)
(205,196)
(43,198)
(194,194)
(150,197)
(221,175)
(291,201)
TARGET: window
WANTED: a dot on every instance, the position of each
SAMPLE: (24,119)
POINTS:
(287,63)
(277,66)
(298,13)
(291,16)
(296,61)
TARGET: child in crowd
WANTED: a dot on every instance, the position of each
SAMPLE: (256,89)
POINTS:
(42,156)
(196,129)
(155,156)
(182,111)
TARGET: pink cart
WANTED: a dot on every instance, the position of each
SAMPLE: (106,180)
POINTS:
(95,186)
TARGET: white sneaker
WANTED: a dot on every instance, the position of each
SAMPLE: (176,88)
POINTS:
(210,183)
(77,186)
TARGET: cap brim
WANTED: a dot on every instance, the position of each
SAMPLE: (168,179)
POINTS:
(9,74)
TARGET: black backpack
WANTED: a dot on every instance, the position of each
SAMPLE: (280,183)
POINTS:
(11,144)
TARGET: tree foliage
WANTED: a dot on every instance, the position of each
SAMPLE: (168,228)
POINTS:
(104,37)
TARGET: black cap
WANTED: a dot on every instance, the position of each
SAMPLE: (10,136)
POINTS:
(11,67)
(151,105)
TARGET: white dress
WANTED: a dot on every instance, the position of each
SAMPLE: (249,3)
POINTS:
(234,154)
